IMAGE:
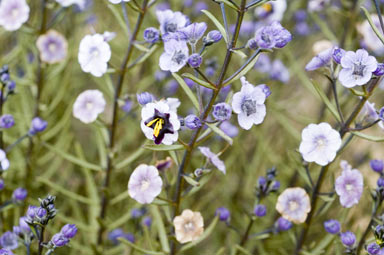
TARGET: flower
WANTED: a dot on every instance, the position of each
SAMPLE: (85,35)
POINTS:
(319,143)
(6,121)
(373,249)
(4,162)
(37,125)
(212,37)
(213,158)
(222,111)
(349,185)
(119,233)
(170,21)
(24,227)
(332,226)
(348,238)
(5,252)
(52,47)
(189,226)
(357,68)
(88,105)
(195,60)
(19,194)
(368,112)
(272,11)
(370,38)
(260,210)
(379,70)
(59,240)
(192,122)
(94,54)
(13,14)
(272,36)
(337,54)
(147,221)
(377,165)
(144,184)
(145,98)
(283,224)
(249,105)
(118,1)
(67,3)
(194,32)
(223,213)
(175,55)
(151,35)
(9,240)
(294,205)
(69,230)
(160,123)
(320,60)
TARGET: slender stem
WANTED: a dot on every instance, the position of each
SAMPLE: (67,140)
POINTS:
(41,240)
(366,126)
(204,115)
(113,127)
(309,175)
(28,247)
(222,7)
(126,19)
(252,4)
(333,84)
(379,14)
(203,76)
(246,234)
(19,140)
(368,228)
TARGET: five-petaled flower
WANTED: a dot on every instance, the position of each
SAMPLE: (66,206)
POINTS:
(189,226)
(294,205)
(349,185)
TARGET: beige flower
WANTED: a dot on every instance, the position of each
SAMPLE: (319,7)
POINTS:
(294,205)
(52,47)
(189,226)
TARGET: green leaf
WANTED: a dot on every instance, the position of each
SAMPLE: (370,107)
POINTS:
(242,250)
(373,26)
(141,47)
(160,228)
(220,133)
(217,24)
(162,147)
(120,20)
(147,54)
(71,158)
(137,248)
(191,181)
(245,69)
(227,3)
(326,241)
(198,81)
(204,236)
(326,101)
(368,137)
(187,90)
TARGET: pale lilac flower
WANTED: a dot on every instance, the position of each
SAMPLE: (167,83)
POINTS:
(52,47)
(370,39)
(160,123)
(6,252)
(118,1)
(272,11)
(319,143)
(348,238)
(4,162)
(13,14)
(94,54)
(368,112)
(59,240)
(173,103)
(349,185)
(272,36)
(7,121)
(213,158)
(357,68)
(222,111)
(229,129)
(337,54)
(279,72)
(88,105)
(294,204)
(109,36)
(170,21)
(194,32)
(320,60)
(151,35)
(249,105)
(144,184)
(175,56)
(9,240)
(67,3)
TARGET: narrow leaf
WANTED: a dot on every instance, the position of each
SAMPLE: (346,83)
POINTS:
(228,3)
(187,90)
(373,26)
(163,147)
(245,69)
(220,133)
(191,181)
(326,101)
(160,228)
(217,24)
(368,137)
(198,81)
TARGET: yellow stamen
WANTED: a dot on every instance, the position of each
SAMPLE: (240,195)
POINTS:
(158,127)
(152,121)
(267,7)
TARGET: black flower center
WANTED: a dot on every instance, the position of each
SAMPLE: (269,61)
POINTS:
(179,57)
(358,69)
(160,124)
(170,27)
(248,107)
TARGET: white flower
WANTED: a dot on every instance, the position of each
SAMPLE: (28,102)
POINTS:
(213,158)
(272,11)
(94,54)
(160,123)
(371,40)
(66,3)
(170,21)
(144,184)
(319,143)
(118,1)
(13,14)
(88,105)
(175,55)
(189,226)
(249,105)
(173,103)
(4,162)
(349,185)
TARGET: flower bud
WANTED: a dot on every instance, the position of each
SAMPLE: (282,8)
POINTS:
(151,35)
(69,230)
(192,122)
(19,194)
(59,240)
(283,224)
(260,210)
(373,249)
(223,213)
(222,111)
(379,70)
(332,226)
(195,60)
(145,98)
(37,125)
(348,238)
(6,121)
(338,53)
(212,37)
(377,165)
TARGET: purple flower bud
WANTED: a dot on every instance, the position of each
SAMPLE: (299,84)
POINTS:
(145,98)
(260,210)
(275,186)
(147,221)
(151,35)
(266,90)
(381,114)
(11,85)
(195,60)
(379,70)
(4,77)
(2,185)
(37,125)
(348,238)
(6,121)
(380,182)
(222,111)
(262,181)
(40,212)
(377,165)
(332,226)
(213,36)
(252,44)
(192,122)
(69,230)
(223,213)
(300,15)
(338,53)
(16,230)
(19,194)
(59,240)
(114,234)
(129,236)
(31,212)
(24,225)
(283,224)
(5,252)
(9,240)
(137,213)
(127,107)
(373,248)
